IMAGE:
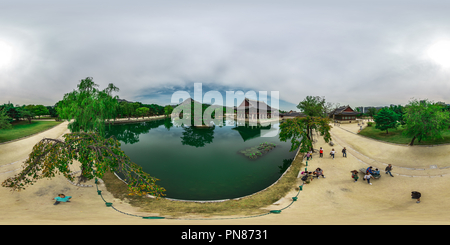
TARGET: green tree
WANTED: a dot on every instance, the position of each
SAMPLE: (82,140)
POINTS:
(371,112)
(135,106)
(425,120)
(26,114)
(4,120)
(314,106)
(298,130)
(386,119)
(168,109)
(88,106)
(12,111)
(52,111)
(400,110)
(40,110)
(142,111)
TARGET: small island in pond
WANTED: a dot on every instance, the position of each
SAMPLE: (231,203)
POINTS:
(258,151)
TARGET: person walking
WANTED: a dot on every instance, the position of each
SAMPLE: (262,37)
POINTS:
(367,177)
(321,152)
(307,156)
(344,152)
(355,176)
(332,153)
(388,170)
(416,195)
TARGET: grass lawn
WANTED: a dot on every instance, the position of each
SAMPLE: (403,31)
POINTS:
(396,136)
(244,207)
(23,128)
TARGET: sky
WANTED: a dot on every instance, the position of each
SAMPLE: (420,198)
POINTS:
(357,53)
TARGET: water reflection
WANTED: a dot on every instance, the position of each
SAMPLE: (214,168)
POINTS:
(203,163)
(191,135)
(129,133)
(197,136)
(249,132)
(286,164)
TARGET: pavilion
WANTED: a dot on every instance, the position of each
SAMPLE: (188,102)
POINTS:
(254,109)
(344,114)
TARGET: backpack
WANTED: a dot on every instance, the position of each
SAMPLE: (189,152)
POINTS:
(304,178)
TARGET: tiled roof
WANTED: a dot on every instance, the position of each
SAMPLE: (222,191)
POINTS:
(341,111)
(255,104)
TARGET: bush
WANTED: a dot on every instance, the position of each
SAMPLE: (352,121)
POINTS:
(369,124)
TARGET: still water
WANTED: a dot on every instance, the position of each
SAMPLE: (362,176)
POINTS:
(204,163)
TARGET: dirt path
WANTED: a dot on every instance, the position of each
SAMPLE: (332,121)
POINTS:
(333,200)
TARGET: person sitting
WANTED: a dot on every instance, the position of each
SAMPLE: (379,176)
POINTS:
(61,198)
(319,172)
(307,177)
(369,170)
(376,172)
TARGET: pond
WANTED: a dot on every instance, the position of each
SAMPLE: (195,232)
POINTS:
(195,163)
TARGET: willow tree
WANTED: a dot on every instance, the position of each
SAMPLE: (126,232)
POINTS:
(89,108)
(96,154)
(299,130)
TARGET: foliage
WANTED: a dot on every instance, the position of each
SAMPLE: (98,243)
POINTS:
(52,111)
(386,119)
(400,110)
(314,106)
(89,107)
(142,111)
(168,110)
(186,112)
(371,112)
(425,120)
(26,114)
(37,110)
(4,120)
(299,131)
(12,111)
(369,124)
(96,154)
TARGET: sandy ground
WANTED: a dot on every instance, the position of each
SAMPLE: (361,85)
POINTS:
(333,200)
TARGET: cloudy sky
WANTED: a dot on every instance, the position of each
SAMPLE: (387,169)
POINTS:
(360,53)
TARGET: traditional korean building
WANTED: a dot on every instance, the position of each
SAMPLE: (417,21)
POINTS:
(344,114)
(254,109)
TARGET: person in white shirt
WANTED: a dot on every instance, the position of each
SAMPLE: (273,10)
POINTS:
(367,177)
(332,153)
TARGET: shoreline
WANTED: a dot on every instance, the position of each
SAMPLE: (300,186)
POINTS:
(341,201)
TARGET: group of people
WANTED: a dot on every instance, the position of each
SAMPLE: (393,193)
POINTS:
(309,176)
(370,173)
(333,152)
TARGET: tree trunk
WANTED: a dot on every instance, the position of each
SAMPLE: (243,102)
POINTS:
(412,141)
